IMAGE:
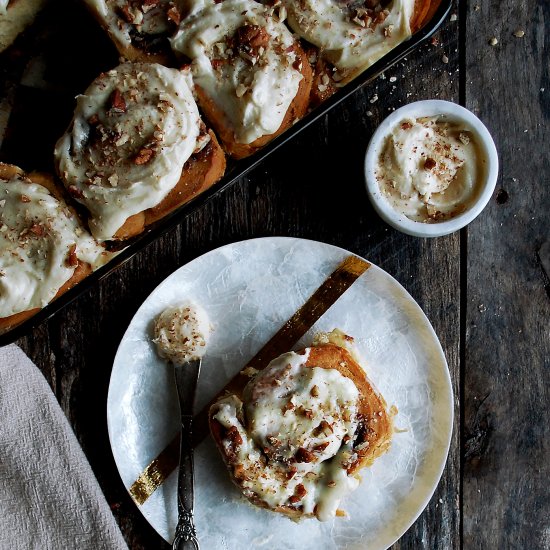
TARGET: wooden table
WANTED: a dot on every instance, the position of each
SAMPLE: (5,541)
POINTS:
(485,289)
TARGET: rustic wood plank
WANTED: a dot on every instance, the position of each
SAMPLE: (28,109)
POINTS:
(290,194)
(506,429)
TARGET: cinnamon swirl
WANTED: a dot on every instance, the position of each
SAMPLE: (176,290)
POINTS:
(296,438)
(44,250)
(136,149)
(251,76)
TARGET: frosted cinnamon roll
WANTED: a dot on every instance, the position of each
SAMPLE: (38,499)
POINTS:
(44,249)
(139,28)
(352,34)
(296,438)
(251,76)
(136,149)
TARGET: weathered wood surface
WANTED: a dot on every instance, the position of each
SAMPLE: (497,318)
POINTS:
(502,380)
(507,315)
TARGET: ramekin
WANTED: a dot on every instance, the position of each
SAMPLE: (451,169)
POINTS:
(453,112)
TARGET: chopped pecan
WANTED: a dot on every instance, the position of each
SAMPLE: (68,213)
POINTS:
(321,447)
(72,260)
(288,407)
(174,15)
(126,14)
(75,192)
(291,473)
(299,493)
(429,164)
(144,156)
(118,104)
(250,38)
(149,4)
(37,229)
(239,472)
(303,455)
(234,437)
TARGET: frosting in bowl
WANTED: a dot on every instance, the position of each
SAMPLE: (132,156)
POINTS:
(429,168)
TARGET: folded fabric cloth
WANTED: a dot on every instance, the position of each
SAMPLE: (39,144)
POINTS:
(49,497)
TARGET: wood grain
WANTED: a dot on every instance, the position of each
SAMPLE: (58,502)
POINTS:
(507,345)
(486,290)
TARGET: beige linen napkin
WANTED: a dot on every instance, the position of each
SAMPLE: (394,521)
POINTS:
(49,497)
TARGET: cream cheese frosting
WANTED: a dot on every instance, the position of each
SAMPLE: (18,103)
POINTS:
(132,21)
(181,333)
(41,242)
(242,57)
(351,35)
(304,419)
(429,168)
(133,130)
(4,6)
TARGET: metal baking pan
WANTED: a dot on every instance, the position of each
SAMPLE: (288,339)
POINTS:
(235,170)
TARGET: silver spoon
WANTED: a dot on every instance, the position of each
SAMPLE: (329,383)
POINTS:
(186,376)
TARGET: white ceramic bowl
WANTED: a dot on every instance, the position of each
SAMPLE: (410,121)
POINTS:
(487,148)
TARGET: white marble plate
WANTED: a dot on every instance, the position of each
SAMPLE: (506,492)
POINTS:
(249,289)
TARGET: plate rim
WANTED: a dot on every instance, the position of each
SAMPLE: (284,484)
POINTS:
(438,472)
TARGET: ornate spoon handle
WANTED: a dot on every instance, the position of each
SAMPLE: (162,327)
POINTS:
(186,536)
(186,376)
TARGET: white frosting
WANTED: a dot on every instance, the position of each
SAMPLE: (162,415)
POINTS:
(429,168)
(98,156)
(254,90)
(127,20)
(39,240)
(4,6)
(181,333)
(304,419)
(349,35)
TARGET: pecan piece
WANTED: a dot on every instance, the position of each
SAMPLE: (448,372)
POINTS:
(24,198)
(144,156)
(234,436)
(72,260)
(429,164)
(126,14)
(118,104)
(299,493)
(303,455)
(174,15)
(75,192)
(250,38)
(239,472)
(37,229)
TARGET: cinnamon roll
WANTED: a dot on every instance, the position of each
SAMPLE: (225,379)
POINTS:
(139,28)
(251,76)
(296,438)
(352,34)
(44,249)
(136,149)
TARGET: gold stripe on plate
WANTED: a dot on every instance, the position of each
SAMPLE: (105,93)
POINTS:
(332,288)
